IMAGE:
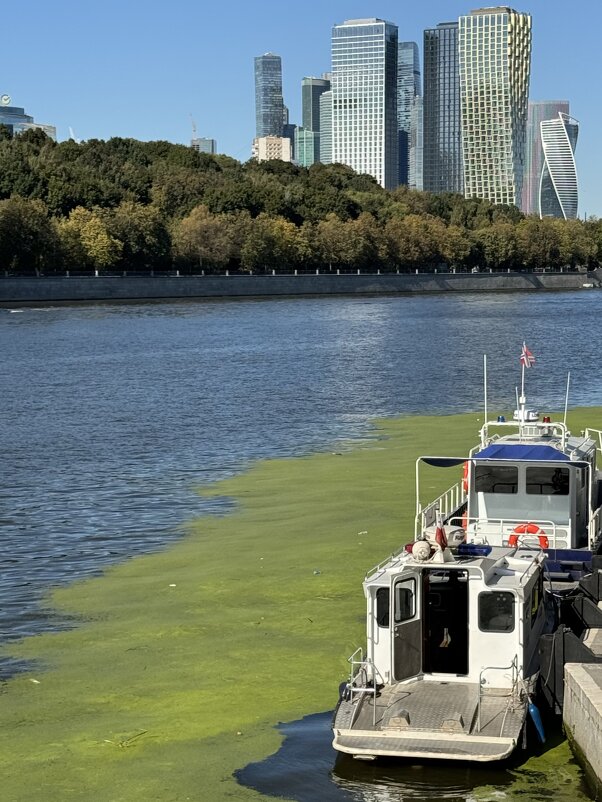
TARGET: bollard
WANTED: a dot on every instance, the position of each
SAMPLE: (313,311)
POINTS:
(295,272)
(227,272)
(178,273)
(378,272)
(358,272)
(96,273)
(273,272)
(338,272)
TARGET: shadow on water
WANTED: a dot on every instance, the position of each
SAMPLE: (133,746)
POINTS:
(306,768)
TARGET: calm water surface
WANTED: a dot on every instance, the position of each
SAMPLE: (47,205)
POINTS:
(112,415)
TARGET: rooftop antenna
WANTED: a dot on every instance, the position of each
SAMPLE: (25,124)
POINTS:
(566,398)
(193,127)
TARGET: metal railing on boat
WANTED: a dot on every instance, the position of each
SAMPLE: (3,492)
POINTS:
(358,666)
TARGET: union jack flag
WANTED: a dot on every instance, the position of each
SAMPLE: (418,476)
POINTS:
(526,357)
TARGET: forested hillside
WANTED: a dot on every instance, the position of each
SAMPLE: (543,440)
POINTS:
(124,205)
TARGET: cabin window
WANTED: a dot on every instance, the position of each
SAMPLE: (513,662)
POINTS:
(496,611)
(547,481)
(496,479)
(382,607)
(405,600)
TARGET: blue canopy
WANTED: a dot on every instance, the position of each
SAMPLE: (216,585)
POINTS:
(518,451)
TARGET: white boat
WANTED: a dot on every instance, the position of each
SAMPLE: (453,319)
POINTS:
(454,618)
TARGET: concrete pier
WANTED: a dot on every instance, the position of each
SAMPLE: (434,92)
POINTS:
(582,718)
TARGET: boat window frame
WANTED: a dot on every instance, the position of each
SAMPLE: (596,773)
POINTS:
(413,590)
(497,630)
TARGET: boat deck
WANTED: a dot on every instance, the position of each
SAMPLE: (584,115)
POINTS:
(432,719)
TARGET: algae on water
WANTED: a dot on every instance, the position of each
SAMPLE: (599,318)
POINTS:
(186,659)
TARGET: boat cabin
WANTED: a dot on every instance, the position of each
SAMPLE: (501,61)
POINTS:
(451,655)
(537,485)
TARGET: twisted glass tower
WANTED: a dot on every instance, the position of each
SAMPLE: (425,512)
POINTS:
(364,98)
(558,191)
(495,65)
(539,110)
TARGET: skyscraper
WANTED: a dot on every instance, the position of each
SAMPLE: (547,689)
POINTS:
(495,64)
(538,111)
(269,105)
(408,88)
(311,91)
(558,195)
(307,138)
(416,177)
(364,98)
(326,127)
(442,149)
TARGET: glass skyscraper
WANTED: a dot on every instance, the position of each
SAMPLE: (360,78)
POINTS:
(538,111)
(495,65)
(442,149)
(326,127)
(408,89)
(269,105)
(364,98)
(558,196)
(307,138)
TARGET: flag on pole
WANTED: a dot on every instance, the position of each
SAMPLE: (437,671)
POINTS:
(527,359)
(440,536)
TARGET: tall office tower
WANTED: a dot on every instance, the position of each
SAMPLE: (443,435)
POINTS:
(408,88)
(495,65)
(558,196)
(311,91)
(416,175)
(307,138)
(326,127)
(204,145)
(364,98)
(269,105)
(538,111)
(442,152)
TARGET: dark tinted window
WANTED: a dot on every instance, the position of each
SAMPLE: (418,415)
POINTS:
(382,607)
(496,611)
(546,481)
(496,479)
(405,604)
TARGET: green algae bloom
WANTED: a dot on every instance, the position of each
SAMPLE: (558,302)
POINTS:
(184,660)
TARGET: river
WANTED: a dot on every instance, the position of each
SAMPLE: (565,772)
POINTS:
(113,414)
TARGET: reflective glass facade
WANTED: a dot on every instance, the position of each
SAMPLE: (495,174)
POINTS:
(203,144)
(307,147)
(326,128)
(311,90)
(364,98)
(408,88)
(559,195)
(538,111)
(442,152)
(495,64)
(269,105)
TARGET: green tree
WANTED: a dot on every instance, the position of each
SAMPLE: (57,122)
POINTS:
(85,242)
(142,231)
(498,246)
(28,238)
(203,239)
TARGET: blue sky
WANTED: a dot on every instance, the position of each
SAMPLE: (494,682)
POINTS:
(140,69)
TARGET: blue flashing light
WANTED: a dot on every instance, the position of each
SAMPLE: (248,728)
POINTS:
(473,550)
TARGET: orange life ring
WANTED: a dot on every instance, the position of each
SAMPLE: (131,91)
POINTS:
(528,529)
(465,478)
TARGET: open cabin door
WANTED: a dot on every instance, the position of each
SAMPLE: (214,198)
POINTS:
(406,627)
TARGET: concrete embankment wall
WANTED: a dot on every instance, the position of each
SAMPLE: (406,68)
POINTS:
(582,717)
(103,288)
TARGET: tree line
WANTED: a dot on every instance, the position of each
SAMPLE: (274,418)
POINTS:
(124,205)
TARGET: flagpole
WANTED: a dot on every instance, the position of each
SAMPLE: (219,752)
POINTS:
(566,400)
(522,387)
